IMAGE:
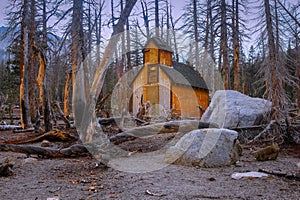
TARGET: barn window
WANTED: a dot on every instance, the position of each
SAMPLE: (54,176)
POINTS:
(152,74)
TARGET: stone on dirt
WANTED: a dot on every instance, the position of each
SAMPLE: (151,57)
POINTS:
(267,153)
(231,109)
(45,143)
(205,148)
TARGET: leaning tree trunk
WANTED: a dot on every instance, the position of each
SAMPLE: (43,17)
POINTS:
(84,105)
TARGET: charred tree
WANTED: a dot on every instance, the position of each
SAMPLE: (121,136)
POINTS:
(24,100)
(236,43)
(224,46)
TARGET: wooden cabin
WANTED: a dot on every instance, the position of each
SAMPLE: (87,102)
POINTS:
(168,85)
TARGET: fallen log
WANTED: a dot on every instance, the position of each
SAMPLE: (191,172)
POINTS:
(53,135)
(109,121)
(9,127)
(183,126)
(77,150)
(117,120)
(23,130)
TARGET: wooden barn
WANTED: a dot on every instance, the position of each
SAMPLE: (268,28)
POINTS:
(168,85)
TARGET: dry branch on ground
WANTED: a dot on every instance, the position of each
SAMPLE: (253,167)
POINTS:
(76,150)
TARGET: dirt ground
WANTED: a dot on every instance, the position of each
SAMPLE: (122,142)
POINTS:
(84,178)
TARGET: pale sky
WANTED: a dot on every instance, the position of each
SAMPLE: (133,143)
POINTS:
(4,3)
(178,5)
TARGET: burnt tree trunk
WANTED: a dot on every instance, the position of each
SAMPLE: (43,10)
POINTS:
(24,101)
(224,47)
(236,56)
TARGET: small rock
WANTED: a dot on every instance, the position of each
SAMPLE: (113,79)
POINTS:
(45,143)
(267,153)
(29,160)
(212,179)
(10,160)
(6,169)
(239,164)
(249,175)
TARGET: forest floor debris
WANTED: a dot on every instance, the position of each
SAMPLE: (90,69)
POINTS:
(84,178)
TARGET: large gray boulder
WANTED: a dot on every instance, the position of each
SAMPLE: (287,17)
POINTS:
(231,109)
(205,148)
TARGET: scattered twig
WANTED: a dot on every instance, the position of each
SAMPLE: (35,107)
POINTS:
(24,130)
(154,194)
(281,174)
(265,132)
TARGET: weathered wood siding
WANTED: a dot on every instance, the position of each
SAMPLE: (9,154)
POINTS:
(137,85)
(151,53)
(186,99)
(164,92)
(203,97)
(165,57)
(154,56)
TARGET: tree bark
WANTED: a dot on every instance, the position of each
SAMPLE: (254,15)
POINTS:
(236,56)
(85,104)
(183,126)
(275,90)
(156,18)
(57,109)
(145,17)
(32,68)
(66,94)
(24,101)
(224,48)
(196,36)
(76,150)
(297,73)
(174,35)
(128,53)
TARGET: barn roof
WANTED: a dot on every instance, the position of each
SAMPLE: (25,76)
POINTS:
(159,43)
(183,74)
